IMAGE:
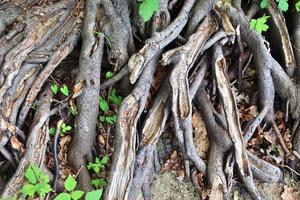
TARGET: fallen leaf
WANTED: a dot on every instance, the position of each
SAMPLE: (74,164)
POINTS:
(101,139)
(16,144)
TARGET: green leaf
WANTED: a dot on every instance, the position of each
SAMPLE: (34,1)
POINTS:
(43,188)
(297,5)
(63,196)
(64,128)
(94,195)
(103,105)
(115,98)
(52,131)
(54,88)
(64,89)
(44,178)
(30,175)
(260,24)
(111,119)
(104,160)
(70,183)
(102,118)
(98,183)
(28,190)
(109,74)
(283,5)
(77,194)
(73,110)
(147,8)
(263,4)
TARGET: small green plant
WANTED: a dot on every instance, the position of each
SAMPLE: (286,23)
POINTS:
(109,74)
(260,24)
(94,195)
(64,128)
(283,5)
(37,182)
(52,131)
(54,88)
(98,164)
(147,8)
(103,104)
(115,98)
(297,6)
(71,193)
(65,90)
(98,183)
(73,110)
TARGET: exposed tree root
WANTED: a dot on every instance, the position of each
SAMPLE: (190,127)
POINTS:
(36,36)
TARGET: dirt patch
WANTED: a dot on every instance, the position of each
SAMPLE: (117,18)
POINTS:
(167,187)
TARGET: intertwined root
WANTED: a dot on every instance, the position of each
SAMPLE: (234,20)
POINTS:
(35,42)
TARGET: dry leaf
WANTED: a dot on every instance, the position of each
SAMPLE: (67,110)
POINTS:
(16,144)
(101,139)
(288,194)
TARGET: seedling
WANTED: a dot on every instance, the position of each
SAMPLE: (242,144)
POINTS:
(98,164)
(103,104)
(37,182)
(73,110)
(64,128)
(115,98)
(98,183)
(147,8)
(109,74)
(94,195)
(260,24)
(283,5)
(71,193)
(65,90)
(54,88)
(52,131)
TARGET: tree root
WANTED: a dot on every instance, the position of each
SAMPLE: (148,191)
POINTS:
(43,36)
(36,144)
(89,73)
